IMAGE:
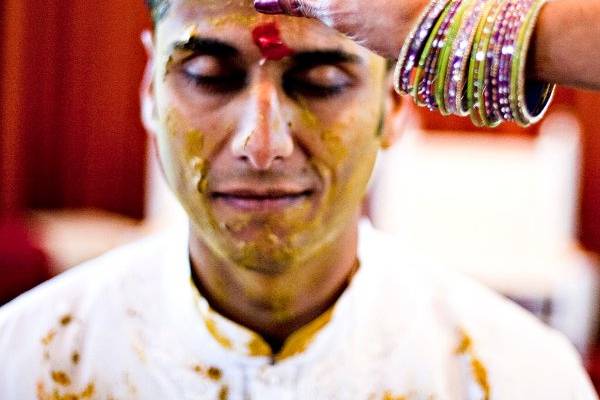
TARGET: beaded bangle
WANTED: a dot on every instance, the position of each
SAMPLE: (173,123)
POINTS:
(435,56)
(504,65)
(479,58)
(492,66)
(477,52)
(468,57)
(413,45)
(456,101)
(529,100)
(428,57)
(452,42)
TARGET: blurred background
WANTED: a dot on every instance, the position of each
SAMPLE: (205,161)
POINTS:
(518,209)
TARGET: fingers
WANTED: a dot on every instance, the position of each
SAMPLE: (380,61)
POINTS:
(299,8)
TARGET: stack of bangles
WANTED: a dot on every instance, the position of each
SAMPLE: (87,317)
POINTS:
(468,57)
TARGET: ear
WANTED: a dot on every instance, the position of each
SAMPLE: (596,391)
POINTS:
(400,115)
(147,99)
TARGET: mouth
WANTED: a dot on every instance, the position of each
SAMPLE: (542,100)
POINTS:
(261,201)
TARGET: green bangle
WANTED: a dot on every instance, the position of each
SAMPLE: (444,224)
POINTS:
(412,47)
(472,84)
(449,48)
(426,54)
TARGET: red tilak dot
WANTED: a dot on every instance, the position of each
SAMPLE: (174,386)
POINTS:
(268,40)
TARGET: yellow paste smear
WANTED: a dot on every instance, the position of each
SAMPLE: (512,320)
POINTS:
(212,373)
(87,393)
(477,367)
(224,393)
(390,396)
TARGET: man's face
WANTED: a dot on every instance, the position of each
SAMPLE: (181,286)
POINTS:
(270,157)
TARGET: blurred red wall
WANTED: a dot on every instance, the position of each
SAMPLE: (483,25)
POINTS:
(69,115)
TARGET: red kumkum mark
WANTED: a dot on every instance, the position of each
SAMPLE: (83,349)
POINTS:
(268,40)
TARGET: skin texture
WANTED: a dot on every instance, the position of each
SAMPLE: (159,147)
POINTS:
(270,158)
(380,25)
(565,47)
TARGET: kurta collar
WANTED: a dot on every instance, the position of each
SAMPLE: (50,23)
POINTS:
(235,337)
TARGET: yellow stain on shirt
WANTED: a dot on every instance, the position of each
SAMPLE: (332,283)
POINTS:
(75,358)
(390,396)
(49,337)
(480,375)
(299,341)
(88,392)
(61,378)
(138,348)
(223,340)
(66,320)
(212,373)
(478,369)
(55,394)
(465,345)
(258,348)
(224,393)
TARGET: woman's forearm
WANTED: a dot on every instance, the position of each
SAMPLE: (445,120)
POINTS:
(566,44)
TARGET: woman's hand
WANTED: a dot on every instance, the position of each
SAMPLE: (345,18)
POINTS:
(565,48)
(380,25)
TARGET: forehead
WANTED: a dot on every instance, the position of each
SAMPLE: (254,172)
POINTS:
(233,20)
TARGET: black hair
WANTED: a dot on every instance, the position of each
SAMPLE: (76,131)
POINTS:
(158,9)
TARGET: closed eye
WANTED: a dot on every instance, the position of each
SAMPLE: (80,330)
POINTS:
(320,73)
(213,74)
(317,81)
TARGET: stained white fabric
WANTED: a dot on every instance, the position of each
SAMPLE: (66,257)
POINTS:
(129,325)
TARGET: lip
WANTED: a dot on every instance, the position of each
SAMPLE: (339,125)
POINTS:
(261,200)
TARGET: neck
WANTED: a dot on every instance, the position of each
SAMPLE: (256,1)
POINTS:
(275,306)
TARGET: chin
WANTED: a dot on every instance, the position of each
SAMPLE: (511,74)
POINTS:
(271,249)
(268,261)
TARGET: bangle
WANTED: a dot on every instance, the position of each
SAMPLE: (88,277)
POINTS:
(413,45)
(504,65)
(529,100)
(424,60)
(451,66)
(492,67)
(476,52)
(425,95)
(477,76)
(456,81)
(468,57)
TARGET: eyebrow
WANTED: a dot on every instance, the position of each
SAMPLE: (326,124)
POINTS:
(324,57)
(217,48)
(211,47)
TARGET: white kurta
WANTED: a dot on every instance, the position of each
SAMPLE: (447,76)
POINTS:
(130,325)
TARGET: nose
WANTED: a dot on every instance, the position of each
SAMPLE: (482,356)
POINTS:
(262,135)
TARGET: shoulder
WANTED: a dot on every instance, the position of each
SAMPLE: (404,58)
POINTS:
(522,358)
(65,310)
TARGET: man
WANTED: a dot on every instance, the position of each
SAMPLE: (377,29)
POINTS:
(267,129)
